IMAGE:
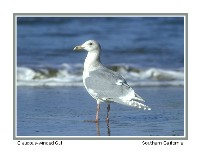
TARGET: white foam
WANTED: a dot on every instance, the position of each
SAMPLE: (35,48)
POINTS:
(71,75)
(160,74)
(24,73)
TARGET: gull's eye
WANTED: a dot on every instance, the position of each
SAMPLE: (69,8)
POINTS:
(90,43)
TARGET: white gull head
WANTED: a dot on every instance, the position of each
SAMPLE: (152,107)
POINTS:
(90,46)
(92,61)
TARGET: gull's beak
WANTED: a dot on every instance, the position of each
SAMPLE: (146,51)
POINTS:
(77,48)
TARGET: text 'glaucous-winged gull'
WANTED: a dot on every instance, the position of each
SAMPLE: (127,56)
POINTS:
(105,85)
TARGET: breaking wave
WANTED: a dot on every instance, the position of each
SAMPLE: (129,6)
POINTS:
(71,75)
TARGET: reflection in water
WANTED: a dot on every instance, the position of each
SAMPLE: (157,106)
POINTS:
(98,130)
(97,127)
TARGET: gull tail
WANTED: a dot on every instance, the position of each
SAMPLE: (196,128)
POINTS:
(138,98)
(134,100)
(136,104)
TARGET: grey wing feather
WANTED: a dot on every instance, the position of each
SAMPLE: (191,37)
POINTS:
(107,84)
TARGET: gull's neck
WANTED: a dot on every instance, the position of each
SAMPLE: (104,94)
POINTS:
(92,61)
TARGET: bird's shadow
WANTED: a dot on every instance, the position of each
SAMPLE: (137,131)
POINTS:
(98,128)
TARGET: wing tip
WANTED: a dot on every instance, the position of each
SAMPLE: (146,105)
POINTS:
(139,105)
(147,108)
(138,98)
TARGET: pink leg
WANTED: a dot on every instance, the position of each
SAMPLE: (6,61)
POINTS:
(97,114)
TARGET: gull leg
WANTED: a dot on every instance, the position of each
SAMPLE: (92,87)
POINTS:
(97,127)
(108,127)
(108,112)
(97,114)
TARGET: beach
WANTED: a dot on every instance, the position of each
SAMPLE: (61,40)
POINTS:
(63,111)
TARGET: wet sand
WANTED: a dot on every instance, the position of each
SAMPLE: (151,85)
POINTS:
(62,111)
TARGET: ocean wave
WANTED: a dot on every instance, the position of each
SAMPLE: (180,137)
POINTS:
(71,75)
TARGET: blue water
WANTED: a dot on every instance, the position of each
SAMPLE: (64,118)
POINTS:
(62,111)
(135,44)
(143,41)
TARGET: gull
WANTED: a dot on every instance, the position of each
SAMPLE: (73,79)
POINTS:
(105,85)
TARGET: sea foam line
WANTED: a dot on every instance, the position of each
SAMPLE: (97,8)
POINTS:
(71,75)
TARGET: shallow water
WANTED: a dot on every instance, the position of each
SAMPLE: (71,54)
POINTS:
(62,111)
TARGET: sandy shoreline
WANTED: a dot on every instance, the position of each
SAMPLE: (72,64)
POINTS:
(61,111)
